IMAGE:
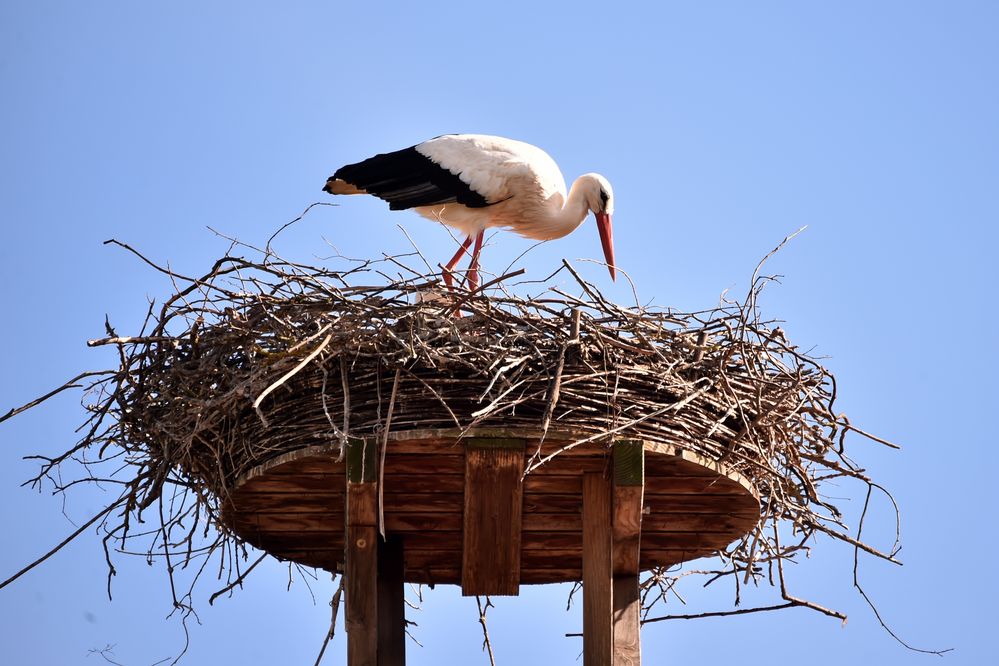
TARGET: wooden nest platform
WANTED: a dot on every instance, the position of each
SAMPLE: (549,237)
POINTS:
(278,405)
(439,485)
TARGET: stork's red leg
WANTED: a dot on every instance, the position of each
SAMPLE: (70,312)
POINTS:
(473,268)
(449,267)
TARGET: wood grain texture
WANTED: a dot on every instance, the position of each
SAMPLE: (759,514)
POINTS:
(362,460)
(627,528)
(627,621)
(295,506)
(361,584)
(598,643)
(492,517)
(629,488)
(362,504)
(361,555)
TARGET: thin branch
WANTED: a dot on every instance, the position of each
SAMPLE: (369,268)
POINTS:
(238,582)
(487,645)
(381,461)
(62,543)
(71,384)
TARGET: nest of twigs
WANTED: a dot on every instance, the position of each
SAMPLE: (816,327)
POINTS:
(261,356)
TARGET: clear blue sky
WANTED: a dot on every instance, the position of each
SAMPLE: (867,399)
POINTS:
(723,126)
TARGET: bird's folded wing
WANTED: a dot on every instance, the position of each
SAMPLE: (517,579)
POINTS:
(406,179)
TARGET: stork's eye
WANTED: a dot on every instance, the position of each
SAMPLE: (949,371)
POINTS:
(603,198)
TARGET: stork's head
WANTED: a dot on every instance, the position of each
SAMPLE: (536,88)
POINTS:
(600,198)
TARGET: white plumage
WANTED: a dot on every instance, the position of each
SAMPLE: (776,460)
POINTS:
(473,181)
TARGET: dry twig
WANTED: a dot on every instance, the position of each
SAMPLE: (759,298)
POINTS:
(176,422)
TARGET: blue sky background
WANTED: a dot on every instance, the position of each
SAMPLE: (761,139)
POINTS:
(722,125)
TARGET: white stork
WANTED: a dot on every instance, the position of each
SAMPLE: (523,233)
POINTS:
(473,181)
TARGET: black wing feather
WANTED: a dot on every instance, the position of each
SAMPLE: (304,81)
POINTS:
(406,179)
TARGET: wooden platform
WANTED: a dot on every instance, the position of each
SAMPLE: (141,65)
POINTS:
(294,506)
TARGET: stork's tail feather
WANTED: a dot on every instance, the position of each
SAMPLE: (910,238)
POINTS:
(337,186)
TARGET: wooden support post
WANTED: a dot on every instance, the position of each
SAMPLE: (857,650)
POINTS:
(627,621)
(494,469)
(391,603)
(629,484)
(598,641)
(361,576)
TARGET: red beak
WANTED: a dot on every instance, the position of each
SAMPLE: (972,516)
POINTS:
(607,241)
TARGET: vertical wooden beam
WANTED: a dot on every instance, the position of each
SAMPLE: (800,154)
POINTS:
(629,486)
(362,460)
(627,621)
(391,603)
(597,571)
(361,576)
(629,483)
(494,469)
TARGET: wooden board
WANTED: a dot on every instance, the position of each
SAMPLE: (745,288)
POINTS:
(361,581)
(598,632)
(294,506)
(627,621)
(391,603)
(494,468)
(628,501)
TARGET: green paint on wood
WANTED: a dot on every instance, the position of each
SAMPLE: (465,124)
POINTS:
(362,460)
(629,462)
(494,443)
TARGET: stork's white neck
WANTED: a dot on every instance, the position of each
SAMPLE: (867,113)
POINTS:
(573,212)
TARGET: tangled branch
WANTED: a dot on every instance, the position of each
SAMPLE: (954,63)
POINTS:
(260,356)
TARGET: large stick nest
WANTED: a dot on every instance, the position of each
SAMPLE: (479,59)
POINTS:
(262,356)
